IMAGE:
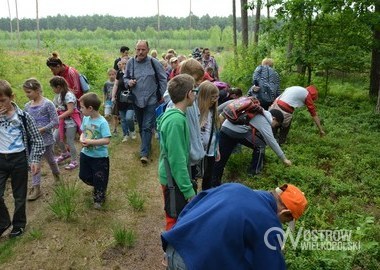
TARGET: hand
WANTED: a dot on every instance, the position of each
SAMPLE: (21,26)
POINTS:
(84,142)
(132,83)
(287,162)
(256,88)
(35,168)
(217,157)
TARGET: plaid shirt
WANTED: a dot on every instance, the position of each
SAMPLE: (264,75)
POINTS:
(31,132)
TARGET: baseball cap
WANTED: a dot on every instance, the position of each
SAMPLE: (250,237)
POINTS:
(294,199)
(312,91)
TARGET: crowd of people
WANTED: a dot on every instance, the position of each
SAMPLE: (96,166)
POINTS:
(196,141)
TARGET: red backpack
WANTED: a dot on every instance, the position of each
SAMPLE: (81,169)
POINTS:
(242,110)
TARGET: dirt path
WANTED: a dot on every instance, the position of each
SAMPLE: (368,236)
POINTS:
(88,242)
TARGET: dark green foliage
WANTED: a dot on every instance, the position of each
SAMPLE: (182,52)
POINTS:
(339,174)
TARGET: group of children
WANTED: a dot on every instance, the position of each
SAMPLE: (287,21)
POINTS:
(29,135)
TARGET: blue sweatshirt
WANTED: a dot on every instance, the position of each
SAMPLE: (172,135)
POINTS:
(224,228)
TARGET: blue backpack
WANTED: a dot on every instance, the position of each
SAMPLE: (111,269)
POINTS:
(84,83)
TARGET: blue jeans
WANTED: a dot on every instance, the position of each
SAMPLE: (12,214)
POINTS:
(146,119)
(175,261)
(14,166)
(127,121)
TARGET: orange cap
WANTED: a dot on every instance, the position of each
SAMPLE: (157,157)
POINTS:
(294,199)
(312,91)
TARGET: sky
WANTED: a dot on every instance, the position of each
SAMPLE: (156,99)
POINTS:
(123,8)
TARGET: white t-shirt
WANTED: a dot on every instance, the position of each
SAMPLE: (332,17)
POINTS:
(11,135)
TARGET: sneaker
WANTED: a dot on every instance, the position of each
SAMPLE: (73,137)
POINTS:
(62,157)
(114,132)
(72,165)
(133,135)
(125,138)
(156,135)
(2,230)
(16,232)
(97,206)
(34,193)
(144,160)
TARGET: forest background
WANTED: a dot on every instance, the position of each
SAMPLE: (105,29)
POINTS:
(334,45)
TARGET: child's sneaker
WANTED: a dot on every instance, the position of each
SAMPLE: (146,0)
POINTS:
(97,205)
(34,193)
(72,165)
(133,135)
(125,138)
(16,232)
(62,157)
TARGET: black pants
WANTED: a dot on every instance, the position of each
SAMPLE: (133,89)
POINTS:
(95,172)
(14,166)
(208,167)
(227,144)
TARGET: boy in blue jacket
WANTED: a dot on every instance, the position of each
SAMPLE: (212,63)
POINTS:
(233,227)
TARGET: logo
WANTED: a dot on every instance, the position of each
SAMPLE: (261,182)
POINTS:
(311,239)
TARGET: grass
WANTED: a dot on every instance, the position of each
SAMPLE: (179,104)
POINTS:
(124,237)
(64,201)
(136,200)
(339,173)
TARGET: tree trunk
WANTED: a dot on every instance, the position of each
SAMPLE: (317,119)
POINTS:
(257,22)
(158,23)
(18,25)
(268,9)
(38,26)
(234,24)
(244,22)
(377,110)
(10,20)
(375,62)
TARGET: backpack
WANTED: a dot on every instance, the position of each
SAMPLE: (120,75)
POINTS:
(84,84)
(240,111)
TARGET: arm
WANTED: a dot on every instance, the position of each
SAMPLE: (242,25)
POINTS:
(68,112)
(313,112)
(74,78)
(318,123)
(177,157)
(114,90)
(37,147)
(161,75)
(53,117)
(265,129)
(94,142)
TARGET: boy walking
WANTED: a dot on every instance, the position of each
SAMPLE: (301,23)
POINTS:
(175,141)
(20,142)
(94,160)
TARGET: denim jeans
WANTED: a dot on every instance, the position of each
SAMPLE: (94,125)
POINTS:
(227,145)
(175,261)
(127,121)
(146,119)
(14,166)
